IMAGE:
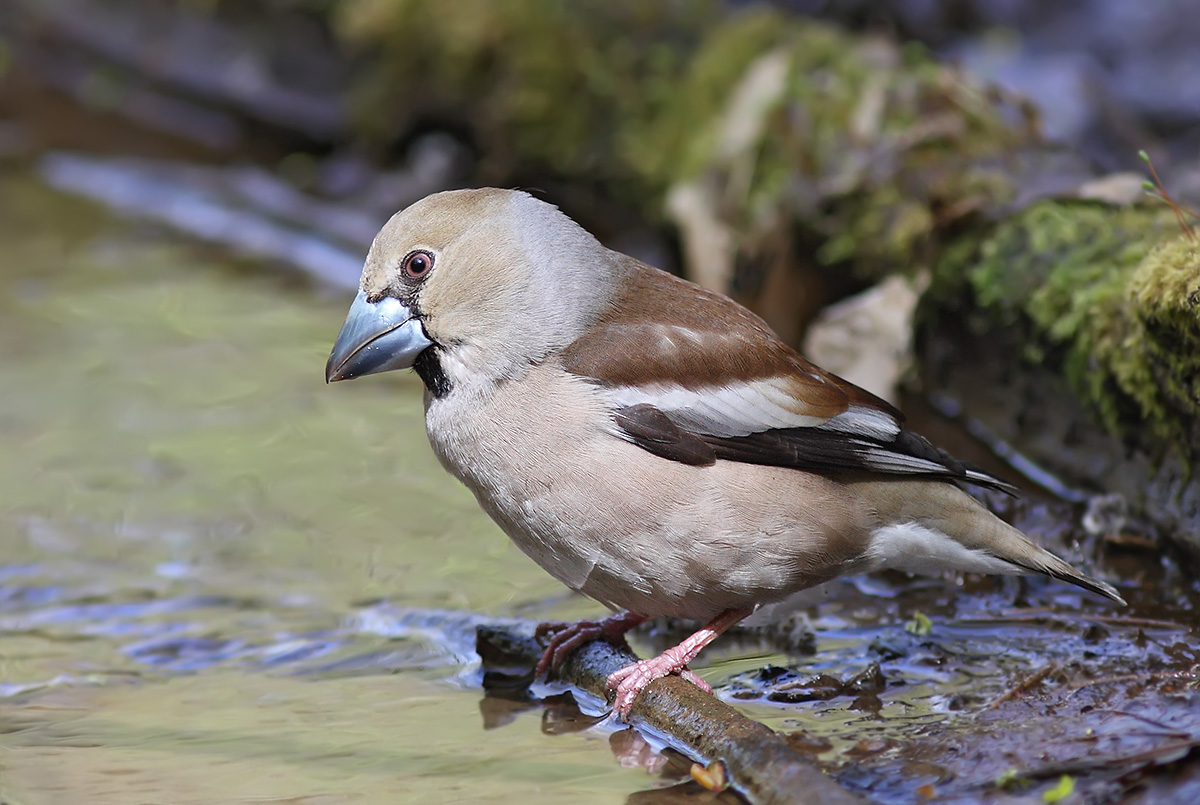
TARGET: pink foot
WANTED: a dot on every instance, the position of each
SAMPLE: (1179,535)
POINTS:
(633,679)
(566,637)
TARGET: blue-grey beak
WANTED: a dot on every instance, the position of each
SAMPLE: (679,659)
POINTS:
(377,337)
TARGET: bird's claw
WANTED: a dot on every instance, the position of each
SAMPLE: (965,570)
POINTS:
(566,637)
(631,680)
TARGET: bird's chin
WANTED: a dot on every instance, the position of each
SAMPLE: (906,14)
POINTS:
(377,337)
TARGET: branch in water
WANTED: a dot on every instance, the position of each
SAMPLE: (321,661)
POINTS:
(760,764)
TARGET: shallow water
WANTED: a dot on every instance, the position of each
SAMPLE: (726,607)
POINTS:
(222,580)
(190,517)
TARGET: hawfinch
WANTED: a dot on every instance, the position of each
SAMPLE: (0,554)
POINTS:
(651,444)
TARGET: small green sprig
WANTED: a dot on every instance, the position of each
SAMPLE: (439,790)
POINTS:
(1157,190)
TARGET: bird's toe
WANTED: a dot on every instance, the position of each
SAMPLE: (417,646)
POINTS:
(562,642)
(565,638)
(691,676)
(631,680)
(549,628)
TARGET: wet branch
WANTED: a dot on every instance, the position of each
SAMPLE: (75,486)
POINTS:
(1024,686)
(760,764)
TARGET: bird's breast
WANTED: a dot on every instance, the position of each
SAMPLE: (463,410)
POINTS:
(522,447)
(622,525)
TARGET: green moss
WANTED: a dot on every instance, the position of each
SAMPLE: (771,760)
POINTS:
(680,134)
(1159,361)
(1113,294)
(543,83)
(865,149)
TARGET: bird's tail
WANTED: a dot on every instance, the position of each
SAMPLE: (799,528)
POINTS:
(992,535)
(1038,560)
(947,510)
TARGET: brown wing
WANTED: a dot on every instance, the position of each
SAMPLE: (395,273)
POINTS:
(684,367)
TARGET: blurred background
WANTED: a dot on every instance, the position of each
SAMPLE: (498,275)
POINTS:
(222,581)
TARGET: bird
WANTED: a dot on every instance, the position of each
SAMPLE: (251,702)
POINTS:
(652,444)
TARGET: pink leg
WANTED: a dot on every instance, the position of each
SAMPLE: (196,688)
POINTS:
(566,637)
(631,680)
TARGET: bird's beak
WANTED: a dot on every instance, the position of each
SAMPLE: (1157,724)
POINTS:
(377,337)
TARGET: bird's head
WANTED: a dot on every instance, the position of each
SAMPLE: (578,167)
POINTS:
(478,283)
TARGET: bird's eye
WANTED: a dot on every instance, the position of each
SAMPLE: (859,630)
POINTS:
(417,264)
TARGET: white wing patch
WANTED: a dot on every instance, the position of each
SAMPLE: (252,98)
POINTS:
(754,406)
(737,409)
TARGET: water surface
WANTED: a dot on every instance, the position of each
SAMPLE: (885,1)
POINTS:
(191,519)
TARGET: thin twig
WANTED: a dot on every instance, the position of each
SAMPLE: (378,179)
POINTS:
(1024,685)
(1156,676)
(1145,623)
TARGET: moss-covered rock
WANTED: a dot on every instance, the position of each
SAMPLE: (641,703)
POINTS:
(869,149)
(1109,294)
(1160,367)
(555,85)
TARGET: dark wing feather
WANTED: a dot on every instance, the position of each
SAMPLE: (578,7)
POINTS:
(652,430)
(825,451)
(694,377)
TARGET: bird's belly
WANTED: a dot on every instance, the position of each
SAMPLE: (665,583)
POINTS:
(633,530)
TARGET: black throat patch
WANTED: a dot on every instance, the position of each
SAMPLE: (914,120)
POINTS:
(428,367)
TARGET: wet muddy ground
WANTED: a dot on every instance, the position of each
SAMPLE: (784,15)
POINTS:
(222,581)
